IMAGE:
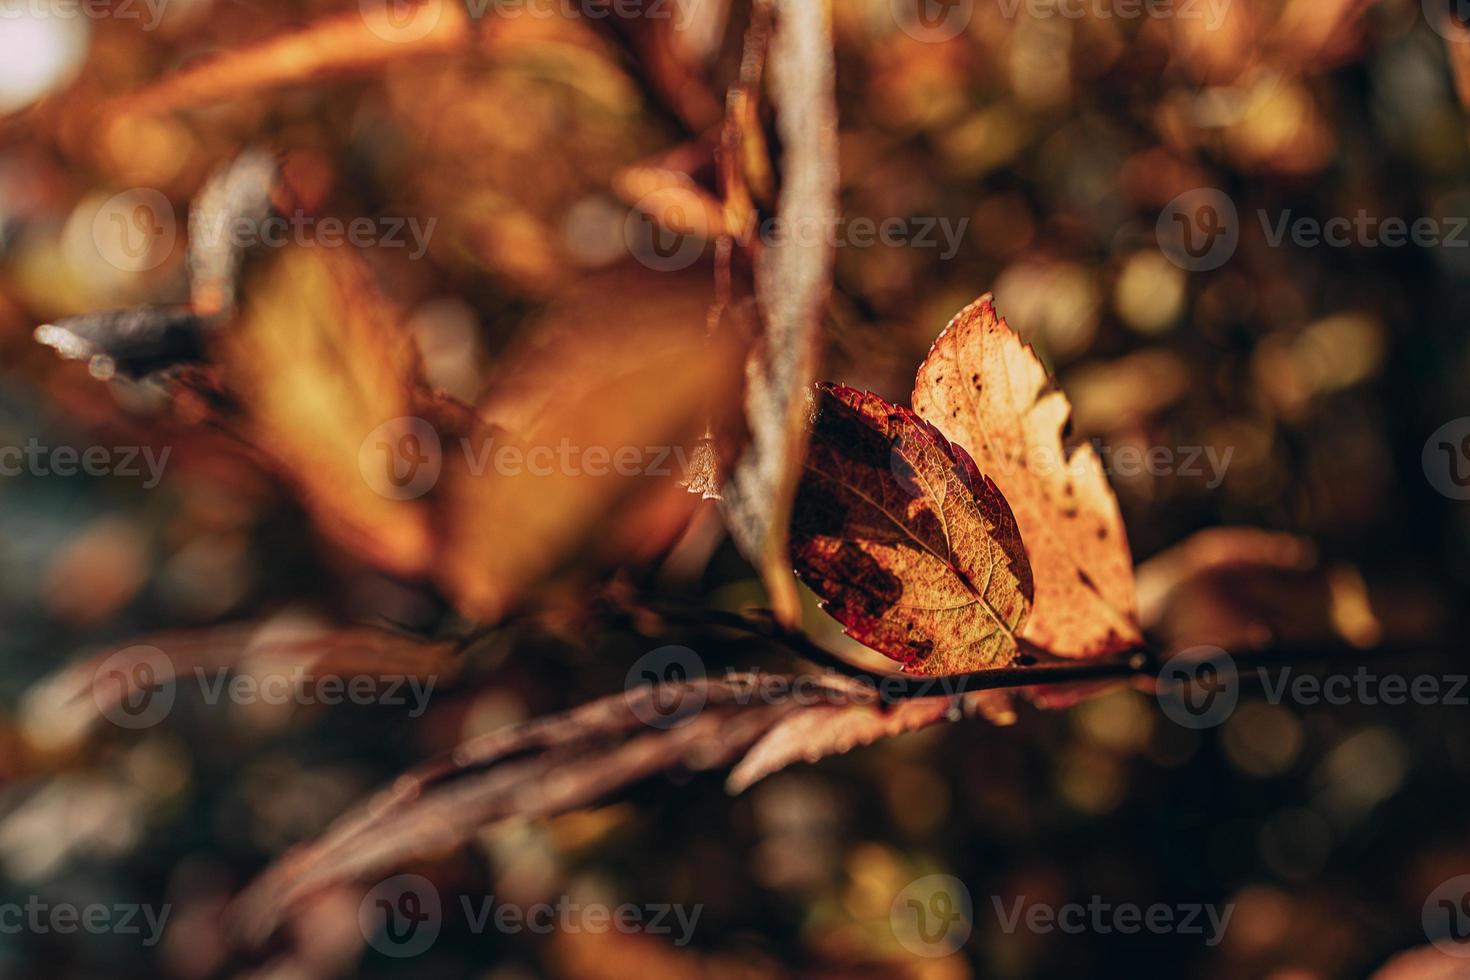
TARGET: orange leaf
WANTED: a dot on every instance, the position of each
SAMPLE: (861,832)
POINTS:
(319,360)
(601,409)
(986,390)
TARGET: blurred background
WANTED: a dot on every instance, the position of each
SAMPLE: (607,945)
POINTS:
(1052,139)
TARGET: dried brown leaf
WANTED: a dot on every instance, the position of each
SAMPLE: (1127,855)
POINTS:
(824,730)
(909,546)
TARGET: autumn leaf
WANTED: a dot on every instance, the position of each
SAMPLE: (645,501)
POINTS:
(318,361)
(986,390)
(792,280)
(540,768)
(910,547)
(827,729)
(599,410)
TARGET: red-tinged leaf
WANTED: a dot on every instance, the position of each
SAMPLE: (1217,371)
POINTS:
(986,390)
(910,547)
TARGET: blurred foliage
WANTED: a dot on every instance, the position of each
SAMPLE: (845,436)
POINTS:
(1059,140)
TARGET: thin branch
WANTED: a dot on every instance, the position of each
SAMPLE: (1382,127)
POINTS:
(1040,669)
